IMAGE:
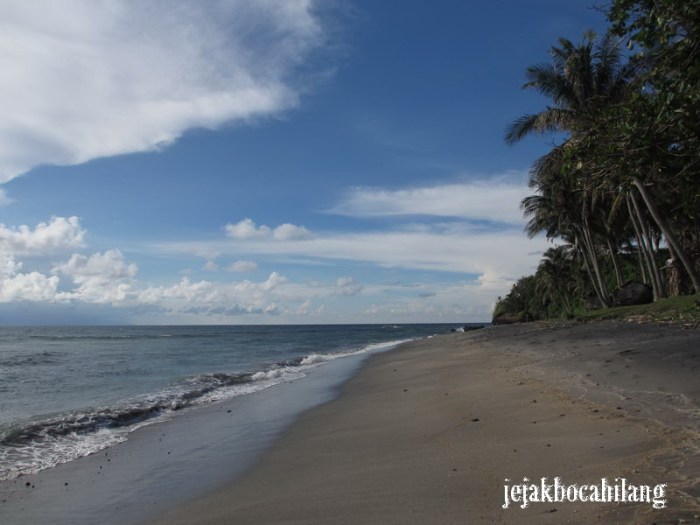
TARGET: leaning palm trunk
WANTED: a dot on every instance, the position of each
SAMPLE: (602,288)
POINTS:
(656,281)
(644,261)
(640,256)
(613,256)
(588,242)
(670,237)
(587,266)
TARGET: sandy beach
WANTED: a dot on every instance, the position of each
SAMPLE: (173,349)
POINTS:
(430,432)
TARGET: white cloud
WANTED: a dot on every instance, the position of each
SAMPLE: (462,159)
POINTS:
(494,199)
(4,199)
(59,233)
(291,232)
(8,265)
(100,277)
(201,292)
(32,286)
(84,79)
(273,281)
(247,229)
(16,286)
(347,286)
(449,248)
(303,308)
(496,257)
(207,298)
(107,266)
(210,266)
(243,266)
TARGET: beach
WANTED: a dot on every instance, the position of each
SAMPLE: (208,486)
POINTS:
(443,429)
(430,432)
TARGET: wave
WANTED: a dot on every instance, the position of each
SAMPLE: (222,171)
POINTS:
(43,358)
(48,442)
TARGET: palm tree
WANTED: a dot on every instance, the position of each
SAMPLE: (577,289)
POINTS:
(581,82)
(555,279)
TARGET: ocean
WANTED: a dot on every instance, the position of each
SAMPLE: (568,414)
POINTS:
(69,392)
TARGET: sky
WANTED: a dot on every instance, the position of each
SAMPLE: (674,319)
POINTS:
(268,161)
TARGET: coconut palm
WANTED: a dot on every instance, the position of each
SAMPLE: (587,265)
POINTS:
(580,82)
(556,279)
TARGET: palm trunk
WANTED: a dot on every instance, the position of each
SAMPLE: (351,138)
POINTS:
(640,259)
(588,240)
(587,266)
(670,237)
(613,256)
(648,244)
(642,254)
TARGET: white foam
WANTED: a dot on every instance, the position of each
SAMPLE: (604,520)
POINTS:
(53,451)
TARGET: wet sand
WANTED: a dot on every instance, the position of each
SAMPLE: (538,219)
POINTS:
(429,433)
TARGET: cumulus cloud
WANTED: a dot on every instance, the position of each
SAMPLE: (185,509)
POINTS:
(84,79)
(210,266)
(207,298)
(484,262)
(100,277)
(291,232)
(273,281)
(8,265)
(107,266)
(347,286)
(247,229)
(243,266)
(494,199)
(32,286)
(60,233)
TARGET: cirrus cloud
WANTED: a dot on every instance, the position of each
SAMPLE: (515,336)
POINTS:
(494,199)
(84,79)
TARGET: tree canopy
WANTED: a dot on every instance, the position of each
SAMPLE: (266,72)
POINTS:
(620,192)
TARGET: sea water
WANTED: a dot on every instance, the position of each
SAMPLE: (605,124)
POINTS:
(68,392)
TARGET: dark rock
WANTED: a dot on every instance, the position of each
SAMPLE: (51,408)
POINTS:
(520,317)
(632,293)
(592,303)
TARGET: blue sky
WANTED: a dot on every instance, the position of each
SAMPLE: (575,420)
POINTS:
(274,161)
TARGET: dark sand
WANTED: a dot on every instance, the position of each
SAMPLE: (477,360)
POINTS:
(428,433)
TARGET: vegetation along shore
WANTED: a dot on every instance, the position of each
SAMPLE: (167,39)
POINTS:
(619,191)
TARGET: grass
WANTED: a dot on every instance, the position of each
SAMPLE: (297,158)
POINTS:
(672,309)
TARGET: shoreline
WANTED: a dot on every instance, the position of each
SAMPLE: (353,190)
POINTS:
(429,432)
(194,452)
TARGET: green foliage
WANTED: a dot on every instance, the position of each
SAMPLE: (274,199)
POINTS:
(521,303)
(678,309)
(626,177)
